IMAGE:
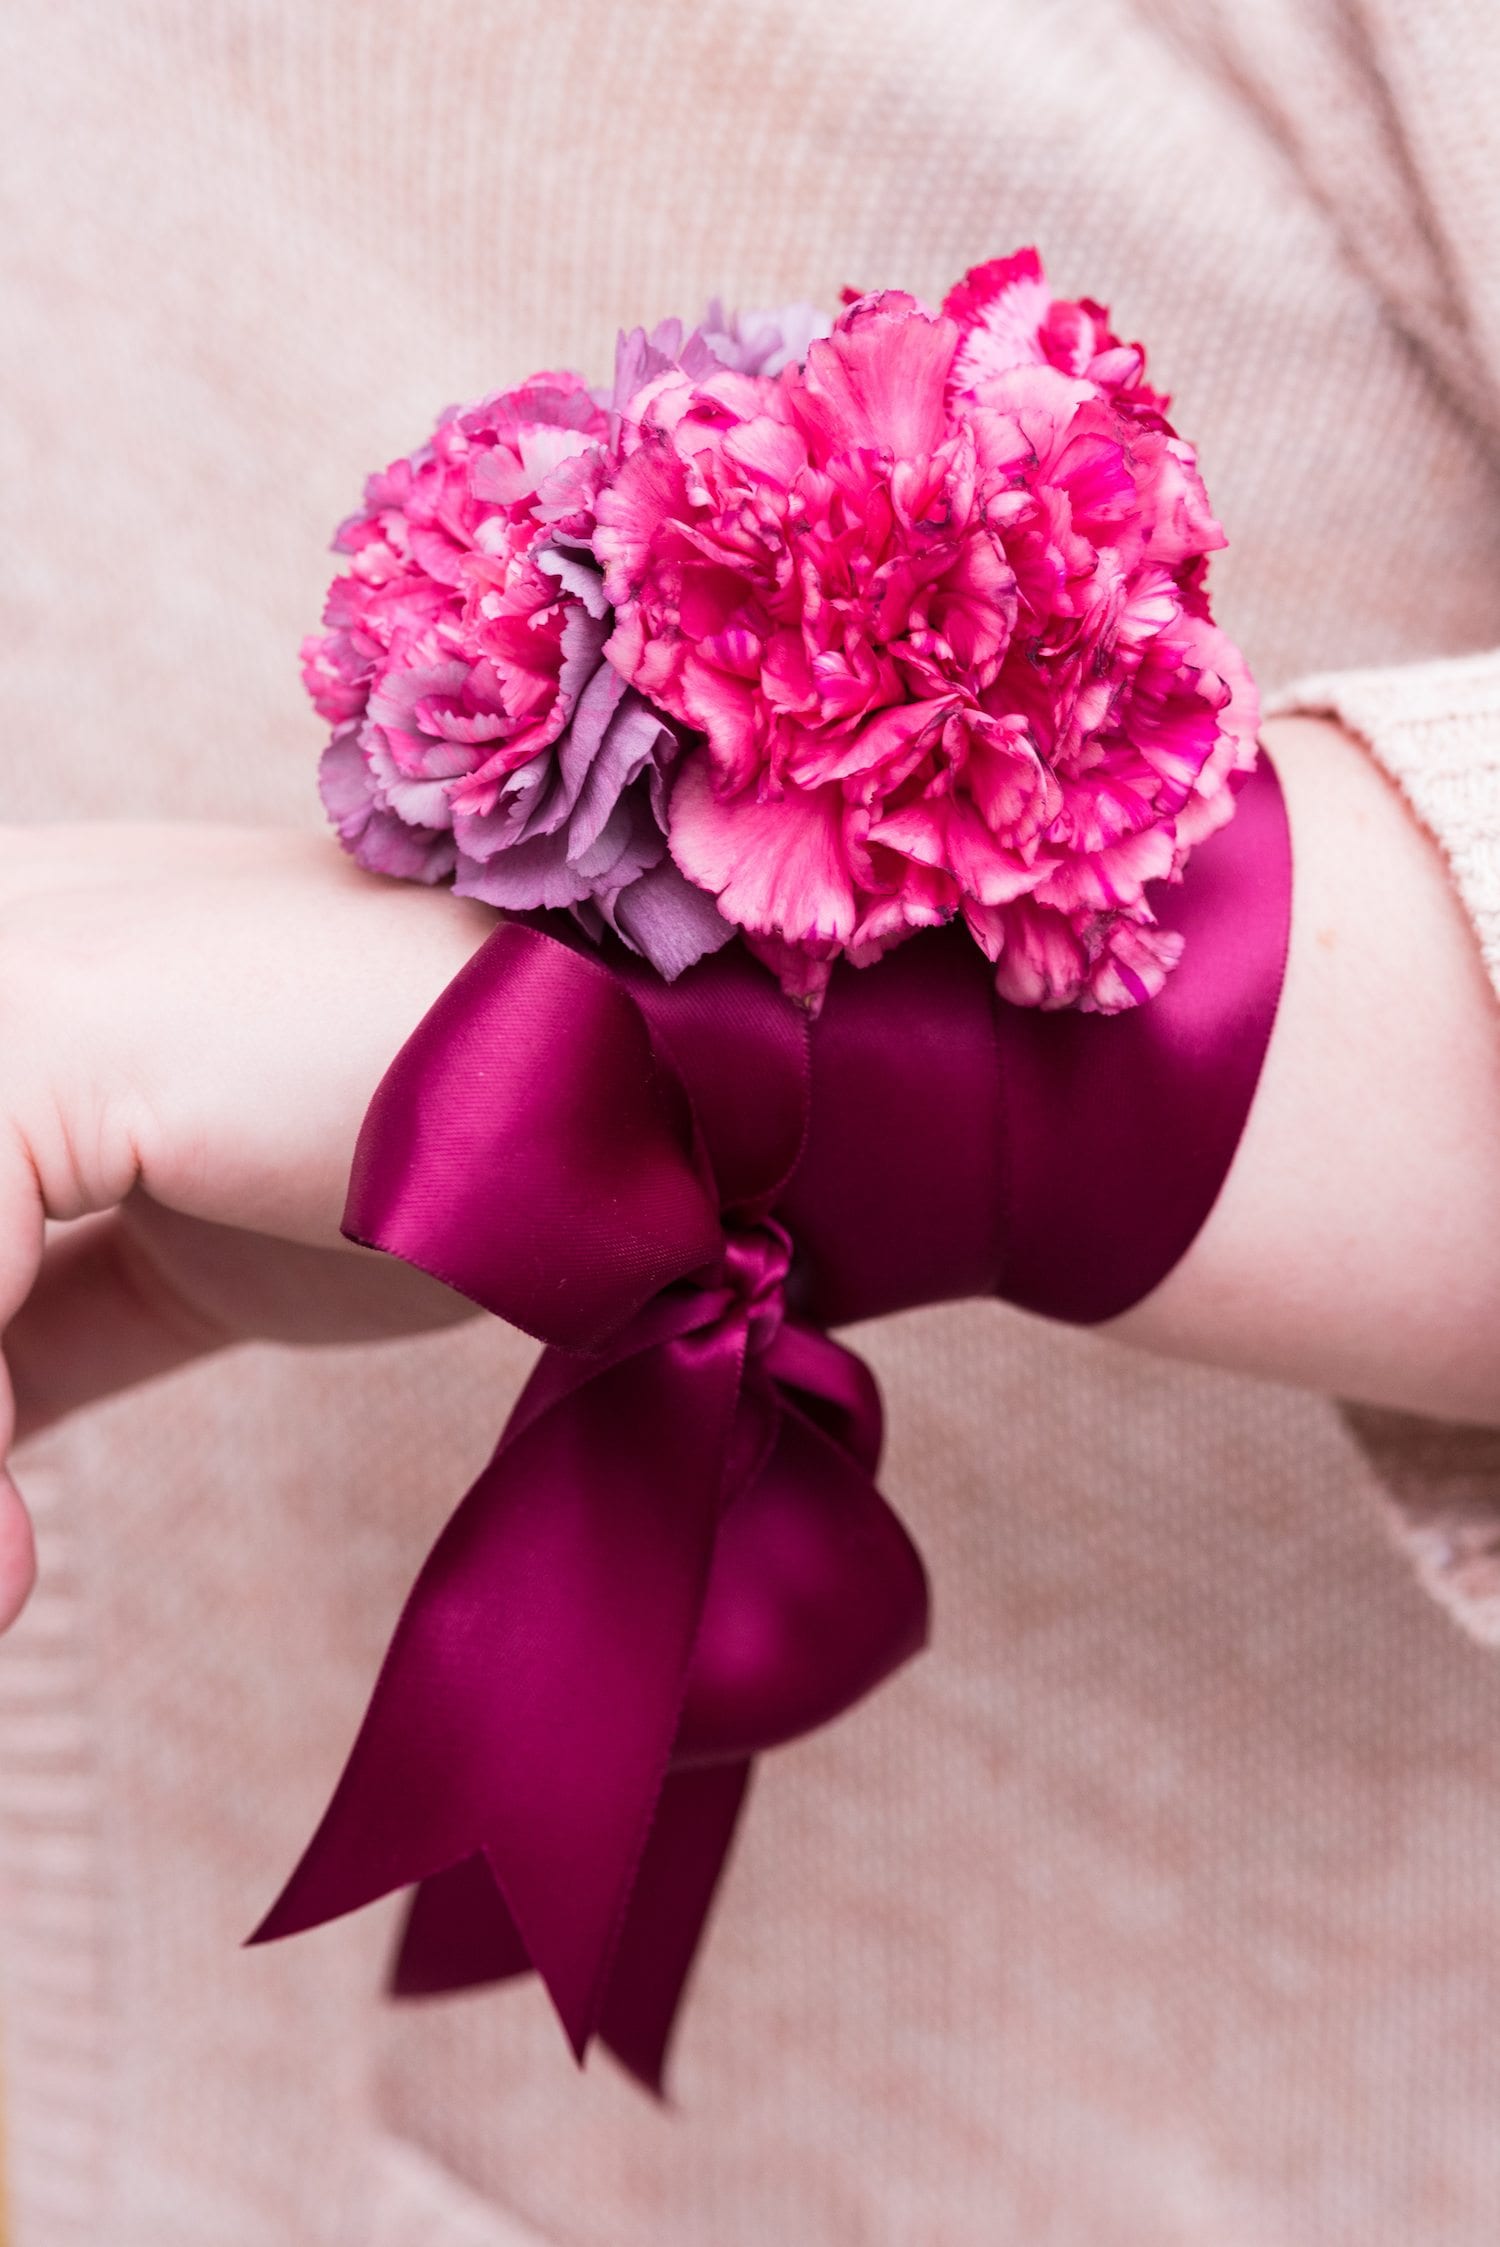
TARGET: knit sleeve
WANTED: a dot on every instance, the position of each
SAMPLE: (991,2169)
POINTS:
(1383,110)
(1381,107)
(1435,728)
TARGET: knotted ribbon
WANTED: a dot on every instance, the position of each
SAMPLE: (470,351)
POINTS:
(678,1556)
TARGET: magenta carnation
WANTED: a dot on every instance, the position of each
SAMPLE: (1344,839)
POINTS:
(935,603)
(825,637)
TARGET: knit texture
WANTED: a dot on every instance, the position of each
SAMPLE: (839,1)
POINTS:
(1154,1907)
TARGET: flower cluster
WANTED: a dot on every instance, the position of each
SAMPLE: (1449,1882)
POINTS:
(823,638)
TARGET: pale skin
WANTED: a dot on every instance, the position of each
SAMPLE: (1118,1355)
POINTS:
(192,1021)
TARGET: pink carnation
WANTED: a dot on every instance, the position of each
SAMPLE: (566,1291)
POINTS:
(1008,317)
(396,669)
(935,603)
(479,736)
(873,628)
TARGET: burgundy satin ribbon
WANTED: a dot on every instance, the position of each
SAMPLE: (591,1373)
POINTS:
(677,1556)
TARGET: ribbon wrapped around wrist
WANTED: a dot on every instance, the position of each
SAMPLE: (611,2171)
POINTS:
(677,1556)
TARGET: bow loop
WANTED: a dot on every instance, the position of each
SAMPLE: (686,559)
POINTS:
(816,1594)
(530,1146)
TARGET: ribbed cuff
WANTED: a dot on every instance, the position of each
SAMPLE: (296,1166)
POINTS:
(1435,728)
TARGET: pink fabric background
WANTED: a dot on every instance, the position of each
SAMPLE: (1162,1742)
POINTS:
(1157,1907)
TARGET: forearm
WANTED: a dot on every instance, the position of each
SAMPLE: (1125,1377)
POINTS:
(255,985)
(1356,1245)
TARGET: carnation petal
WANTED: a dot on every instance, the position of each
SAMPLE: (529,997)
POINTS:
(527,801)
(925,898)
(1000,309)
(651,488)
(1105,880)
(633,740)
(576,575)
(528,876)
(583,638)
(802,970)
(421,801)
(344,782)
(392,846)
(879,379)
(376,838)
(768,448)
(950,835)
(762,343)
(1184,525)
(1134,962)
(606,858)
(1040,959)
(726,707)
(778,869)
(667,918)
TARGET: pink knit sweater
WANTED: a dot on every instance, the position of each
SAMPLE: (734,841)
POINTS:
(1158,1905)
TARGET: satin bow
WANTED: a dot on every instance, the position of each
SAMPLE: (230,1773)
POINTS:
(677,1556)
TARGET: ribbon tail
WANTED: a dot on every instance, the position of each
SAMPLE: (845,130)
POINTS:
(458,1934)
(816,1596)
(532,1690)
(679,1875)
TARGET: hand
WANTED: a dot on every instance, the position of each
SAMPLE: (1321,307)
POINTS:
(192,1021)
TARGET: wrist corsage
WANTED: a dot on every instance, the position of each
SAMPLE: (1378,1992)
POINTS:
(837,718)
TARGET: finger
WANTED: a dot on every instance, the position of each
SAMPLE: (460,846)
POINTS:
(21,1235)
(17,1553)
